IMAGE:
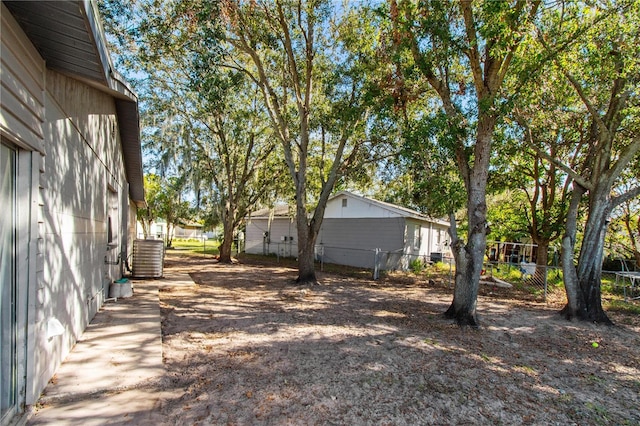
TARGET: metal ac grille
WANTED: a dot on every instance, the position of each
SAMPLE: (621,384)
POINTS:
(148,258)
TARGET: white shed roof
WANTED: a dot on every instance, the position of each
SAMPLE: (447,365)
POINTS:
(280,210)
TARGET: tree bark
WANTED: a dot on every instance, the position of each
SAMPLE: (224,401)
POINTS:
(469,258)
(591,256)
(575,302)
(227,241)
(306,245)
(469,261)
(583,283)
(169,234)
(542,260)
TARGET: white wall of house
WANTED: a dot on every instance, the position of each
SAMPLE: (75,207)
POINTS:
(158,230)
(187,232)
(71,184)
(21,126)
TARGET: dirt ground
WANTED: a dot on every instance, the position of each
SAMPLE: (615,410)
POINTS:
(245,346)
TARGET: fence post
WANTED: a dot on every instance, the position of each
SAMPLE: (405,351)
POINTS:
(376,272)
(320,252)
(546,272)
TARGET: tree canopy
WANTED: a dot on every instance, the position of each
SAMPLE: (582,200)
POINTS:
(464,109)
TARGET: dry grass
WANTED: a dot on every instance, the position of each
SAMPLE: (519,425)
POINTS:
(245,346)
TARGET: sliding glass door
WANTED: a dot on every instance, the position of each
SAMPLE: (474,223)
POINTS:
(8,281)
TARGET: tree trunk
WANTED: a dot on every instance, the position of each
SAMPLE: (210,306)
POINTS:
(583,283)
(169,234)
(145,228)
(469,262)
(306,245)
(469,258)
(227,241)
(575,302)
(591,255)
(542,260)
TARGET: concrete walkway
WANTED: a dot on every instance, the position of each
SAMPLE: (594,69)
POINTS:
(113,374)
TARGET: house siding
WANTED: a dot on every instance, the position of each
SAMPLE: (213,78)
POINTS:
(356,208)
(23,81)
(278,228)
(71,179)
(81,186)
(353,228)
(353,241)
(255,236)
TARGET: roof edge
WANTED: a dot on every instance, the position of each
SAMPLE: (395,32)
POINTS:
(403,211)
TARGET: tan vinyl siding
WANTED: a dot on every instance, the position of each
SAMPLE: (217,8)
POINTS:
(22,80)
(83,183)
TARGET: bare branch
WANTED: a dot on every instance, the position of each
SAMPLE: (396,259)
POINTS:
(568,170)
(626,196)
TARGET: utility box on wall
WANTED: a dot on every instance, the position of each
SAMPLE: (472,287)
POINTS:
(148,258)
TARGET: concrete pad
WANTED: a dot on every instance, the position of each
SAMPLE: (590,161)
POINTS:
(133,406)
(108,376)
(120,348)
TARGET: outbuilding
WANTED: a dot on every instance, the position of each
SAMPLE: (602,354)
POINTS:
(356,231)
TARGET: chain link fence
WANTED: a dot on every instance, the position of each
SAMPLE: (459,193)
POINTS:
(536,281)
(526,280)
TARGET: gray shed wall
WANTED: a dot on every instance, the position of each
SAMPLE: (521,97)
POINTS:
(353,241)
(279,228)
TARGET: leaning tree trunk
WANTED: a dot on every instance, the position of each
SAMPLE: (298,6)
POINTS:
(575,301)
(589,269)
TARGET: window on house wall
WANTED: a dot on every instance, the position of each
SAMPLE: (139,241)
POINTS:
(344,202)
(109,230)
(112,216)
(417,234)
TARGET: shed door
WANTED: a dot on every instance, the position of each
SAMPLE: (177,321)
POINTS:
(8,362)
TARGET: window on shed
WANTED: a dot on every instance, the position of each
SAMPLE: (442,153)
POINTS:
(344,202)
(416,237)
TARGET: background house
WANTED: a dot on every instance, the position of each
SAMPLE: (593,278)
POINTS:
(158,230)
(71,180)
(352,229)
